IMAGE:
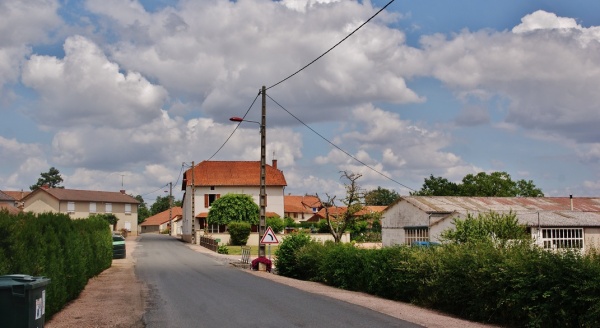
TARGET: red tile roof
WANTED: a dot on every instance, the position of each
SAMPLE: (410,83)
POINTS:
(163,217)
(87,195)
(11,209)
(17,195)
(232,173)
(300,204)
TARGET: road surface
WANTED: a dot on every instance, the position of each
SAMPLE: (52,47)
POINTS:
(191,289)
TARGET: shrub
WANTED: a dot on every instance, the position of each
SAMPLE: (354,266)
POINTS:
(286,261)
(223,249)
(276,223)
(66,251)
(239,232)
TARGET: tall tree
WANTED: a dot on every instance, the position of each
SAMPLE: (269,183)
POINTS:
(161,204)
(52,179)
(339,219)
(495,184)
(143,211)
(380,197)
(437,186)
(233,207)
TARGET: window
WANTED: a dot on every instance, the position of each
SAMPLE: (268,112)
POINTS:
(92,207)
(127,208)
(412,234)
(213,228)
(210,198)
(557,238)
(71,207)
(108,208)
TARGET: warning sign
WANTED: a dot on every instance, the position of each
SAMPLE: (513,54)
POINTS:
(269,237)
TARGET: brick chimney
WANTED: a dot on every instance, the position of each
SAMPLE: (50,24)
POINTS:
(274,164)
(45,186)
(122,191)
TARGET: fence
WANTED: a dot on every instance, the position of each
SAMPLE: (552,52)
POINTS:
(212,244)
(245,254)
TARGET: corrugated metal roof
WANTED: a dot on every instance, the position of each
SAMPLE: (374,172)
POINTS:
(546,211)
(503,204)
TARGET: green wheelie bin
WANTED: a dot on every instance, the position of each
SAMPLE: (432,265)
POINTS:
(22,301)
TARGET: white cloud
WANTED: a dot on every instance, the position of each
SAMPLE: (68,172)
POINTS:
(221,63)
(85,88)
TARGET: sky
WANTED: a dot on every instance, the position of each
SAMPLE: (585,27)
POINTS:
(127,94)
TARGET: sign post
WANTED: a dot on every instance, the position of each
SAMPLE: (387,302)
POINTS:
(269,238)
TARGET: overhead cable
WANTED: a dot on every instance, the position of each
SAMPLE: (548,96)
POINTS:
(337,44)
(338,147)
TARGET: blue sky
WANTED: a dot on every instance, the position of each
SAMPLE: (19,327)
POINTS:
(126,93)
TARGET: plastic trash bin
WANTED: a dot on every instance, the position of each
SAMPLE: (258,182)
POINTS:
(22,301)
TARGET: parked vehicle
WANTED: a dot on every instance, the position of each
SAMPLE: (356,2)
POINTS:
(119,251)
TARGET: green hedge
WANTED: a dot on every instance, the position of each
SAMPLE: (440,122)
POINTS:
(69,252)
(517,286)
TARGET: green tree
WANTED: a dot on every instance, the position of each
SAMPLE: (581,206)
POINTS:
(339,219)
(491,226)
(437,186)
(495,184)
(52,179)
(143,211)
(161,204)
(233,207)
(380,197)
(276,223)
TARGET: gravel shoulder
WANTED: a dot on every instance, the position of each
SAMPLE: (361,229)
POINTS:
(116,298)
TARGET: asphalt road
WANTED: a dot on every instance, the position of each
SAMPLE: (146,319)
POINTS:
(191,289)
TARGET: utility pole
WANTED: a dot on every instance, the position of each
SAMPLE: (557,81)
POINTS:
(171,208)
(193,208)
(263,174)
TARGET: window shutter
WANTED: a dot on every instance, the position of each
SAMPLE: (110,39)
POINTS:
(218,196)
(205,200)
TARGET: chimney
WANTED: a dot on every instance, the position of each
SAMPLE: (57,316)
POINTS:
(46,186)
(274,164)
(122,191)
(571,197)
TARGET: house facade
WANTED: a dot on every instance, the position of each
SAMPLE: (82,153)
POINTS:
(554,222)
(80,204)
(209,180)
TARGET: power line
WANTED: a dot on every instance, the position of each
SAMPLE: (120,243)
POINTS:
(337,44)
(339,148)
(159,188)
(236,127)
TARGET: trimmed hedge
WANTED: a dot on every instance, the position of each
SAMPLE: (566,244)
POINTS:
(518,286)
(69,252)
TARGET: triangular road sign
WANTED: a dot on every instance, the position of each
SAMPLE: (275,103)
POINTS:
(269,237)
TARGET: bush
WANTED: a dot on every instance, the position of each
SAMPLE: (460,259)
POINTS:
(289,223)
(223,249)
(239,232)
(66,251)
(276,223)
(286,261)
(518,285)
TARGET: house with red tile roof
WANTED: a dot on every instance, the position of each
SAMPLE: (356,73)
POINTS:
(161,221)
(340,210)
(301,208)
(553,222)
(8,203)
(209,180)
(80,204)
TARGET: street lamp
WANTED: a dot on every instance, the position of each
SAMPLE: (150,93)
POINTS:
(263,172)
